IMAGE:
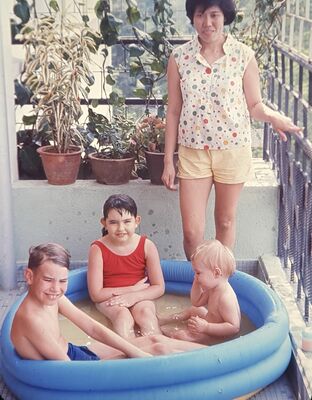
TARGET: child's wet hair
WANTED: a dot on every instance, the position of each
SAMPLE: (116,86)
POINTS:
(120,203)
(48,252)
(216,254)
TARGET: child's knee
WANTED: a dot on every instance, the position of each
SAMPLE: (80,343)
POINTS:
(123,314)
(144,312)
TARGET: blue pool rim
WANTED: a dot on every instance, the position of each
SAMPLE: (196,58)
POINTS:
(224,371)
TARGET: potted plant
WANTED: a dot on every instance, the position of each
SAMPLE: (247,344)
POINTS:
(56,70)
(147,64)
(150,137)
(111,148)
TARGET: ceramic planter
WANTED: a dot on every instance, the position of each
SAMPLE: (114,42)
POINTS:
(60,168)
(111,171)
(155,166)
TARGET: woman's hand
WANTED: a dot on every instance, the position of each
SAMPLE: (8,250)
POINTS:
(282,124)
(168,175)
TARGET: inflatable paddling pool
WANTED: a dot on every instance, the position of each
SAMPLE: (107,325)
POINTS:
(223,371)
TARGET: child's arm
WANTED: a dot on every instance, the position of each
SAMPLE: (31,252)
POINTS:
(229,311)
(155,276)
(98,331)
(97,293)
(198,296)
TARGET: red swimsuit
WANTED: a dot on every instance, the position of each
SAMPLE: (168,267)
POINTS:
(119,270)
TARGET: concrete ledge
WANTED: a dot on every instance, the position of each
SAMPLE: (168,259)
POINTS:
(300,368)
(70,215)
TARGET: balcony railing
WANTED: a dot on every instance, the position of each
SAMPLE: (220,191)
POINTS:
(290,91)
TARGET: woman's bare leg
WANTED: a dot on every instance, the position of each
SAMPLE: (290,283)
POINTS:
(194,194)
(226,202)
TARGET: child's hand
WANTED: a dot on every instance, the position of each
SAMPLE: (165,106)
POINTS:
(197,325)
(141,284)
(123,300)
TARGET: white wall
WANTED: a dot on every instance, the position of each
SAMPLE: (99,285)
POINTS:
(71,216)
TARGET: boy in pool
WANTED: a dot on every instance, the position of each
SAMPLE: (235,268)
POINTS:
(124,272)
(35,331)
(215,313)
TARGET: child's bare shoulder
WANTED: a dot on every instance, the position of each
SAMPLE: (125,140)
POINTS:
(26,322)
(149,244)
(228,296)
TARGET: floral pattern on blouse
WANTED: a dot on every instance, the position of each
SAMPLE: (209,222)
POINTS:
(214,113)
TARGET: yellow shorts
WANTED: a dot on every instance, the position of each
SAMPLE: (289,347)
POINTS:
(225,166)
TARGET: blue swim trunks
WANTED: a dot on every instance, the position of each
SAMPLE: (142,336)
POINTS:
(81,353)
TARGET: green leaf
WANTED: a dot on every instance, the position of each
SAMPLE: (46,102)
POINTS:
(157,66)
(21,10)
(22,92)
(135,69)
(109,28)
(100,7)
(94,103)
(131,3)
(165,98)
(157,35)
(104,52)
(29,119)
(239,16)
(109,80)
(173,31)
(135,50)
(54,5)
(141,93)
(110,38)
(110,69)
(133,15)
(90,79)
(161,112)
(115,99)
(113,22)
(147,81)
(85,19)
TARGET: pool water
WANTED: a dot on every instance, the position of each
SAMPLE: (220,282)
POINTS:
(166,305)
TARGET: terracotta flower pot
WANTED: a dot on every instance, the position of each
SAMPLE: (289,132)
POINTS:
(155,165)
(111,171)
(60,168)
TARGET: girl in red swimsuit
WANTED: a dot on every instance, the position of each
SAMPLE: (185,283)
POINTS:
(124,272)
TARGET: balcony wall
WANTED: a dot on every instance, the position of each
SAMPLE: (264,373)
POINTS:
(70,215)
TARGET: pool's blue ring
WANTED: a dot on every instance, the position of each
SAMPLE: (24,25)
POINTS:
(223,371)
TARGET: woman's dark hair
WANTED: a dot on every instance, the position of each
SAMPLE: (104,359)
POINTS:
(228,8)
(120,203)
(48,252)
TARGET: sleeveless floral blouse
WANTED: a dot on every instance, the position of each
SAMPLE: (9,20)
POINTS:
(214,113)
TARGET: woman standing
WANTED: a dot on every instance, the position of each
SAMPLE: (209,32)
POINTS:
(213,90)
